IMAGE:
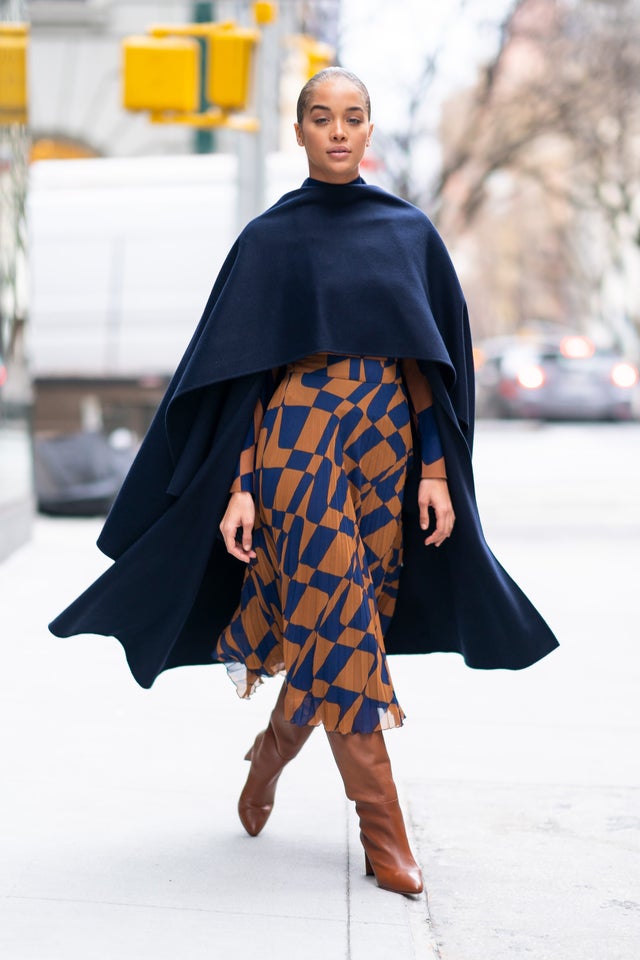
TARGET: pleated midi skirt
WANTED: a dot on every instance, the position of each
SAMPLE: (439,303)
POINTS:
(331,460)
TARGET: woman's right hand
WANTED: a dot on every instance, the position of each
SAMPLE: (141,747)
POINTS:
(236,526)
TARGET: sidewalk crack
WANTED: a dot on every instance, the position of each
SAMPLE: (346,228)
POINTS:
(420,921)
(348,880)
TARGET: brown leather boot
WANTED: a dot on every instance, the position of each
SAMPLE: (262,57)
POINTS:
(272,750)
(364,766)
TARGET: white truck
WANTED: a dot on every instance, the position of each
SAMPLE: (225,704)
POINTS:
(123,253)
(122,256)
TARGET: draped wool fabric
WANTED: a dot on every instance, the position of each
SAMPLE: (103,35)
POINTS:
(345,269)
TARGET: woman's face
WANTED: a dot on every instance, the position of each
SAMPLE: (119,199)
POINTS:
(335,131)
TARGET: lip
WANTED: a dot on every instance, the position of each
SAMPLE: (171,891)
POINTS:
(339,152)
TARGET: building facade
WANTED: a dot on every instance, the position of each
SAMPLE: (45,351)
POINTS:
(75,112)
(16,498)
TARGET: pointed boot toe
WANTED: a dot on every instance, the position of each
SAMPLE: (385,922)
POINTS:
(272,750)
(387,853)
(406,880)
(253,817)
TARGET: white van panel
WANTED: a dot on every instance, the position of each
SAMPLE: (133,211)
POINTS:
(123,254)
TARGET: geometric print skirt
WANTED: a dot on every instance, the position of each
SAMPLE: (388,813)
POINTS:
(331,460)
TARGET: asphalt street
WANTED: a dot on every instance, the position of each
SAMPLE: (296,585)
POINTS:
(118,830)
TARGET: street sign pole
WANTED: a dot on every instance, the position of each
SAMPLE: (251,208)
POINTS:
(252,151)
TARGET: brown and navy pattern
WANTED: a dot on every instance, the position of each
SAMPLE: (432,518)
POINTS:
(330,465)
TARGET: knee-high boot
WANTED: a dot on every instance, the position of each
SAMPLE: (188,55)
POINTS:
(365,768)
(272,750)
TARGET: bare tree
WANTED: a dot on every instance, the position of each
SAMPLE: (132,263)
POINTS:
(400,147)
(401,150)
(579,82)
(558,106)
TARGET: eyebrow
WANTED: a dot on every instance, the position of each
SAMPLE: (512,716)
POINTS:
(319,106)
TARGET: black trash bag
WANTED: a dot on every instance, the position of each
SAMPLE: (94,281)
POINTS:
(79,474)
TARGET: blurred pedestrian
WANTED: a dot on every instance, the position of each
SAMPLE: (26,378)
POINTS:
(322,416)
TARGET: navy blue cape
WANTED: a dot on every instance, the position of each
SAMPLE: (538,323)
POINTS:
(346,269)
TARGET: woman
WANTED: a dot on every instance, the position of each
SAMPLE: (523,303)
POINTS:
(323,416)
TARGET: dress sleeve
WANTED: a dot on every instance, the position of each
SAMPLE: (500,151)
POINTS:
(243,477)
(421,397)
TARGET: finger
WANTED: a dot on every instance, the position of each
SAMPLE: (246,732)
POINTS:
(239,554)
(443,530)
(246,535)
(232,545)
(436,534)
(237,550)
(425,519)
(436,538)
(247,539)
(424,503)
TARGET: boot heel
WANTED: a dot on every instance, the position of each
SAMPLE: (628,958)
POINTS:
(363,763)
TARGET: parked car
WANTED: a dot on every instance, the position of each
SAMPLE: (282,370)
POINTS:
(554,378)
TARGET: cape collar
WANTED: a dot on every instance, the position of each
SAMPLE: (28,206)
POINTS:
(311,182)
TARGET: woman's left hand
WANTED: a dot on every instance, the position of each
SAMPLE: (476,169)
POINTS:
(435,493)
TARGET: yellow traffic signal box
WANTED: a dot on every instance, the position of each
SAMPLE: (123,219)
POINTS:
(13,71)
(264,12)
(319,56)
(161,73)
(230,52)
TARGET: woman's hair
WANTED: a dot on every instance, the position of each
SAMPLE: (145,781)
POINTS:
(330,73)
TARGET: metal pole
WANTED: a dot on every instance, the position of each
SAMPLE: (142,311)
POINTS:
(204,141)
(252,148)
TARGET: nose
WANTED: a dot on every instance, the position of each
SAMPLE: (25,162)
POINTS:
(339,132)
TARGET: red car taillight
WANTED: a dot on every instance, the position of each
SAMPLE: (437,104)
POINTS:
(624,375)
(531,377)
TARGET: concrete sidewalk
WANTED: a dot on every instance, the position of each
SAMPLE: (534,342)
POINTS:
(120,836)
(119,833)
